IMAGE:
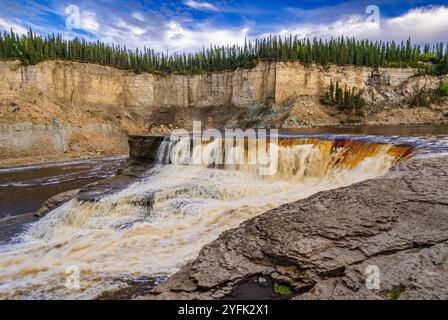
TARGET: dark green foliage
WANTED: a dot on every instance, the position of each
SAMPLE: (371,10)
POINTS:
(31,49)
(424,97)
(344,99)
(435,61)
(443,89)
(282,289)
(395,293)
(107,118)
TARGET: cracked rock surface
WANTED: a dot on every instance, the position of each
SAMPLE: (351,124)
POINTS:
(322,247)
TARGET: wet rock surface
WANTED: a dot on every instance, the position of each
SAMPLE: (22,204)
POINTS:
(143,149)
(96,190)
(55,201)
(323,247)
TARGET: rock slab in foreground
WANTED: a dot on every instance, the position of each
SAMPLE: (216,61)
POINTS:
(55,201)
(321,246)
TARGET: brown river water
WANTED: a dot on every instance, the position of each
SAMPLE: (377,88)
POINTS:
(121,238)
(24,189)
(387,130)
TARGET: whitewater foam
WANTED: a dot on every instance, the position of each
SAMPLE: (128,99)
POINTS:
(158,224)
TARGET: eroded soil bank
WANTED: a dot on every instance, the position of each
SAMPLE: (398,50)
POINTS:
(323,247)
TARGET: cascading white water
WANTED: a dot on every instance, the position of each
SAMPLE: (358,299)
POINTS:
(156,225)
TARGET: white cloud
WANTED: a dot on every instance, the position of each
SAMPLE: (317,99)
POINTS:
(198,5)
(89,22)
(136,30)
(152,29)
(424,24)
(427,23)
(354,25)
(8,25)
(178,38)
(138,16)
(172,37)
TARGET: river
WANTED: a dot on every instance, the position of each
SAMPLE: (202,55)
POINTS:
(24,189)
(124,238)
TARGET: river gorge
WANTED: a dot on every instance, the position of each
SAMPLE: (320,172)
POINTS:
(163,219)
(100,201)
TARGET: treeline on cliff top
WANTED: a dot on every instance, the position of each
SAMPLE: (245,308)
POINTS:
(31,49)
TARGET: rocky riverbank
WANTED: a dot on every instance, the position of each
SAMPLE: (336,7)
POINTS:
(322,247)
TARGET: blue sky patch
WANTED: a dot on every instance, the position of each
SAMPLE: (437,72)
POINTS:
(188,25)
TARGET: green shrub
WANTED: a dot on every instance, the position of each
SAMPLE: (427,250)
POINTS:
(394,293)
(345,99)
(326,101)
(423,99)
(282,289)
(443,89)
(428,57)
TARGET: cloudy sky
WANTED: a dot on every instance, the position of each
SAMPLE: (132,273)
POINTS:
(187,25)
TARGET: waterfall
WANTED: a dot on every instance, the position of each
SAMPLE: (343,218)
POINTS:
(156,225)
(163,152)
(297,157)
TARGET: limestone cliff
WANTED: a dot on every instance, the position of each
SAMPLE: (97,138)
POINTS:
(68,108)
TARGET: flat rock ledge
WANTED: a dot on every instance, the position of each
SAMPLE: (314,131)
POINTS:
(325,246)
(55,201)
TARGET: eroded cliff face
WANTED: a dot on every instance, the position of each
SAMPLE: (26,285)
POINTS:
(63,109)
(81,83)
(79,97)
